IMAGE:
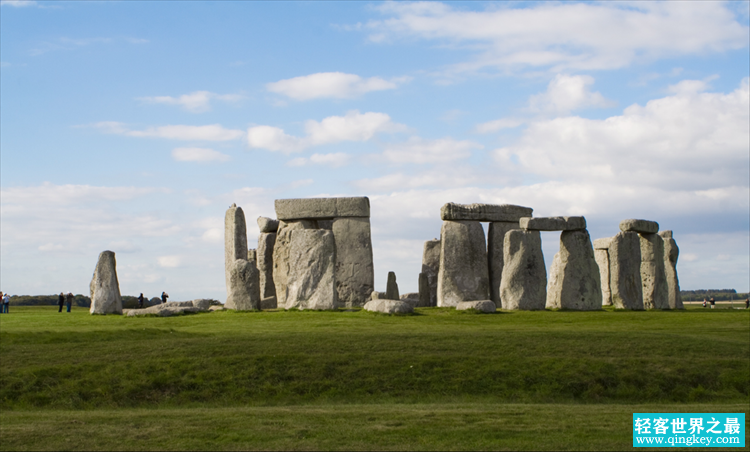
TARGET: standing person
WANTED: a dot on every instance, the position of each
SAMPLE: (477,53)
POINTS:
(713,302)
(1,300)
(747,302)
(164,297)
(704,302)
(6,303)
(140,301)
(69,300)
(60,301)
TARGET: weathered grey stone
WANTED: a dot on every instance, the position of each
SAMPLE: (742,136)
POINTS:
(104,287)
(424,291)
(252,255)
(216,308)
(355,275)
(653,275)
(553,223)
(235,239)
(202,303)
(463,273)
(483,212)
(603,243)
(524,281)
(643,226)
(172,308)
(313,208)
(312,270)
(268,225)
(243,293)
(412,298)
(574,281)
(431,267)
(671,253)
(625,271)
(268,303)
(281,256)
(602,261)
(389,306)
(266,242)
(486,306)
(375,295)
(391,288)
(495,244)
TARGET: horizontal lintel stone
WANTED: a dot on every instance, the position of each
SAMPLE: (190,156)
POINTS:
(642,226)
(603,243)
(314,208)
(553,223)
(483,212)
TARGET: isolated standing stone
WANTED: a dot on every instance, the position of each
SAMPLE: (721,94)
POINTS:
(524,280)
(280,258)
(625,271)
(463,274)
(104,288)
(483,212)
(355,274)
(312,270)
(424,291)
(267,225)
(391,289)
(235,239)
(671,253)
(430,267)
(495,244)
(574,281)
(266,242)
(244,282)
(653,275)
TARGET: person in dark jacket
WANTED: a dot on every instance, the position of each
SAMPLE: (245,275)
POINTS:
(60,301)
(713,302)
(164,297)
(69,300)
(140,301)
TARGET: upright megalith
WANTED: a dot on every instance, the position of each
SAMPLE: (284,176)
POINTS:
(671,253)
(424,292)
(653,275)
(495,260)
(463,274)
(235,239)
(574,281)
(244,282)
(524,280)
(281,260)
(391,288)
(312,270)
(601,254)
(625,271)
(266,242)
(430,268)
(355,274)
(104,288)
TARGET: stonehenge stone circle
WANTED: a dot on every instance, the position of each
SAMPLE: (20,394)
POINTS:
(314,208)
(389,306)
(311,280)
(574,281)
(266,242)
(625,271)
(524,280)
(463,274)
(355,273)
(653,276)
(104,288)
(235,239)
(486,306)
(244,282)
(671,253)
(553,223)
(267,225)
(391,288)
(601,254)
(642,226)
(425,292)
(483,212)
(430,267)
(280,258)
(495,243)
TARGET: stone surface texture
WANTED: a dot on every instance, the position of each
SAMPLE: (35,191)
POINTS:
(385,306)
(173,307)
(235,239)
(495,243)
(280,257)
(252,255)
(671,253)
(355,274)
(375,295)
(431,267)
(314,208)
(653,275)
(266,242)
(553,223)
(625,271)
(643,226)
(244,280)
(574,281)
(603,243)
(267,225)
(602,261)
(268,303)
(483,212)
(463,273)
(486,306)
(391,288)
(312,270)
(425,299)
(524,281)
(104,288)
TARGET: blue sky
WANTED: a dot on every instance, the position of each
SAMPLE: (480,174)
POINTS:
(132,126)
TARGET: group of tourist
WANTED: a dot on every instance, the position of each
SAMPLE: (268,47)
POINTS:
(141,299)
(712,301)
(64,299)
(6,303)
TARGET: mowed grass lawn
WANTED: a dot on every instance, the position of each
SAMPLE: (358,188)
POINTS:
(439,379)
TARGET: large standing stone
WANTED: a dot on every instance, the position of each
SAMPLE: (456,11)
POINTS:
(483,212)
(235,239)
(642,226)
(355,275)
(574,276)
(391,288)
(625,271)
(244,281)
(104,288)
(601,254)
(671,253)
(312,270)
(424,291)
(314,208)
(430,267)
(524,281)
(463,274)
(280,258)
(553,223)
(495,243)
(266,242)
(653,276)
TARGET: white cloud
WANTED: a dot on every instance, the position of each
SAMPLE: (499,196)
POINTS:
(212,132)
(566,93)
(564,35)
(18,3)
(195,102)
(198,155)
(421,151)
(169,261)
(331,85)
(355,126)
(333,160)
(497,124)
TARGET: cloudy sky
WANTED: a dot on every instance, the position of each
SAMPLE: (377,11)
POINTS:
(132,126)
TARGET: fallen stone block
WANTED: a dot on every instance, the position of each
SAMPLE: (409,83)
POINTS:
(104,288)
(268,225)
(216,308)
(483,212)
(642,226)
(671,253)
(486,306)
(574,281)
(312,270)
(553,223)
(202,303)
(495,244)
(524,282)
(314,208)
(389,307)
(463,274)
(625,271)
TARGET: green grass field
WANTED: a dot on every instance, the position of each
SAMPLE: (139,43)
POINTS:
(439,379)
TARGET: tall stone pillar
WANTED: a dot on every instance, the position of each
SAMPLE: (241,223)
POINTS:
(653,276)
(355,273)
(524,281)
(625,271)
(281,262)
(312,270)
(430,268)
(671,253)
(235,239)
(463,272)
(574,276)
(495,240)
(104,288)
(601,254)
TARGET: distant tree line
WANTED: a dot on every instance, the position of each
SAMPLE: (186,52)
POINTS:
(79,300)
(716,294)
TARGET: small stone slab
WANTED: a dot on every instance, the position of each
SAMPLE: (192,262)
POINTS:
(267,225)
(313,208)
(553,223)
(389,307)
(642,226)
(483,212)
(603,243)
(486,306)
